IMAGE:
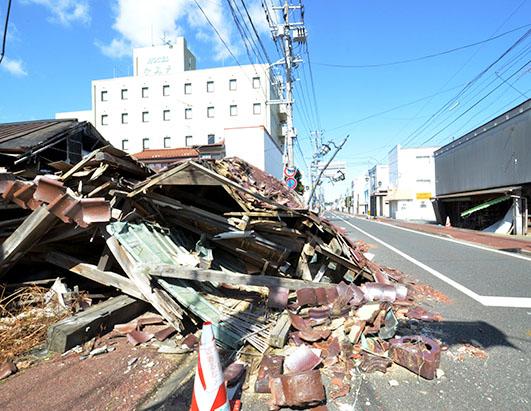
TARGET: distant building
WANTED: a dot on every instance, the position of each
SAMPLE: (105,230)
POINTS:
(360,195)
(411,183)
(378,186)
(168,103)
(484,177)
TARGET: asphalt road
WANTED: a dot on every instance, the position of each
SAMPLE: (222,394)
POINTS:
(491,308)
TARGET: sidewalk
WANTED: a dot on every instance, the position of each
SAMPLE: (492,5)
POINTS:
(498,241)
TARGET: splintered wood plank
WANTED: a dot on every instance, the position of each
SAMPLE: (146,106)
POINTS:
(93,273)
(32,229)
(198,274)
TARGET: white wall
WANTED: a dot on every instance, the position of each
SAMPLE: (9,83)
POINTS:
(412,175)
(156,67)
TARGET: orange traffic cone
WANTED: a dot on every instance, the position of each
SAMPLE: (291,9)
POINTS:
(448,222)
(209,393)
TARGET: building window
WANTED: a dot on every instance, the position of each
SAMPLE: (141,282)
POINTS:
(234,110)
(104,95)
(145,143)
(422,157)
(145,92)
(423,180)
(210,86)
(125,144)
(166,115)
(187,113)
(187,88)
(124,94)
(165,90)
(167,142)
(104,119)
(188,141)
(210,112)
(211,139)
(125,118)
(257,108)
(256,82)
(232,84)
(145,117)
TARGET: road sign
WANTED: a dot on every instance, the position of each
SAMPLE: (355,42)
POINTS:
(290,171)
(291,183)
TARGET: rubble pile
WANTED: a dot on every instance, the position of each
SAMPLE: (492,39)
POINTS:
(223,242)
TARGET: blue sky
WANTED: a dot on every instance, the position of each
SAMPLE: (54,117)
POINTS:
(55,48)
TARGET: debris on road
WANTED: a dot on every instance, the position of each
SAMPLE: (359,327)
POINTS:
(205,240)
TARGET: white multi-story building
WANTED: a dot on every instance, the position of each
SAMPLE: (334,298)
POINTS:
(168,103)
(411,183)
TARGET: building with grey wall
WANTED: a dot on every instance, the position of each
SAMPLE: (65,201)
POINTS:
(488,169)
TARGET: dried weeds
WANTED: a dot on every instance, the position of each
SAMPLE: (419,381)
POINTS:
(25,316)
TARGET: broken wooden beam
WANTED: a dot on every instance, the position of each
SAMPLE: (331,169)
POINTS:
(96,320)
(198,274)
(93,273)
(32,229)
(159,298)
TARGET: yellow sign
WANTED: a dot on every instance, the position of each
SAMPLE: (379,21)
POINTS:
(423,196)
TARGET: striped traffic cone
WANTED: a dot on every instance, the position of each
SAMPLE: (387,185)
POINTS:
(209,393)
(448,224)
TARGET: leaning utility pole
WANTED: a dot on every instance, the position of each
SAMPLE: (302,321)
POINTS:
(316,184)
(287,32)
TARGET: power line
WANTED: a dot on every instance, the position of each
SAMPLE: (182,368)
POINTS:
(449,103)
(510,85)
(426,57)
(350,123)
(474,105)
(470,97)
(256,32)
(5,31)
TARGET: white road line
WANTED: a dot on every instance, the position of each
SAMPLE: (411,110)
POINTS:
(489,301)
(452,240)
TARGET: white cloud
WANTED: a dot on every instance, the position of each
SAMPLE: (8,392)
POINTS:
(66,12)
(14,67)
(141,23)
(116,49)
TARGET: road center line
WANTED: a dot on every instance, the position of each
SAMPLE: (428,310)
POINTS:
(489,301)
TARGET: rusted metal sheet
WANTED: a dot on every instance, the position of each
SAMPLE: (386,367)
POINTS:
(90,210)
(419,313)
(417,353)
(298,389)
(48,189)
(303,358)
(7,368)
(62,205)
(136,337)
(371,363)
(270,367)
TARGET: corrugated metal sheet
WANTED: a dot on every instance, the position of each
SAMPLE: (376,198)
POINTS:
(149,244)
(496,154)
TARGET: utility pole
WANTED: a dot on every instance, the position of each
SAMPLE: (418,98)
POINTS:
(288,32)
(338,148)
